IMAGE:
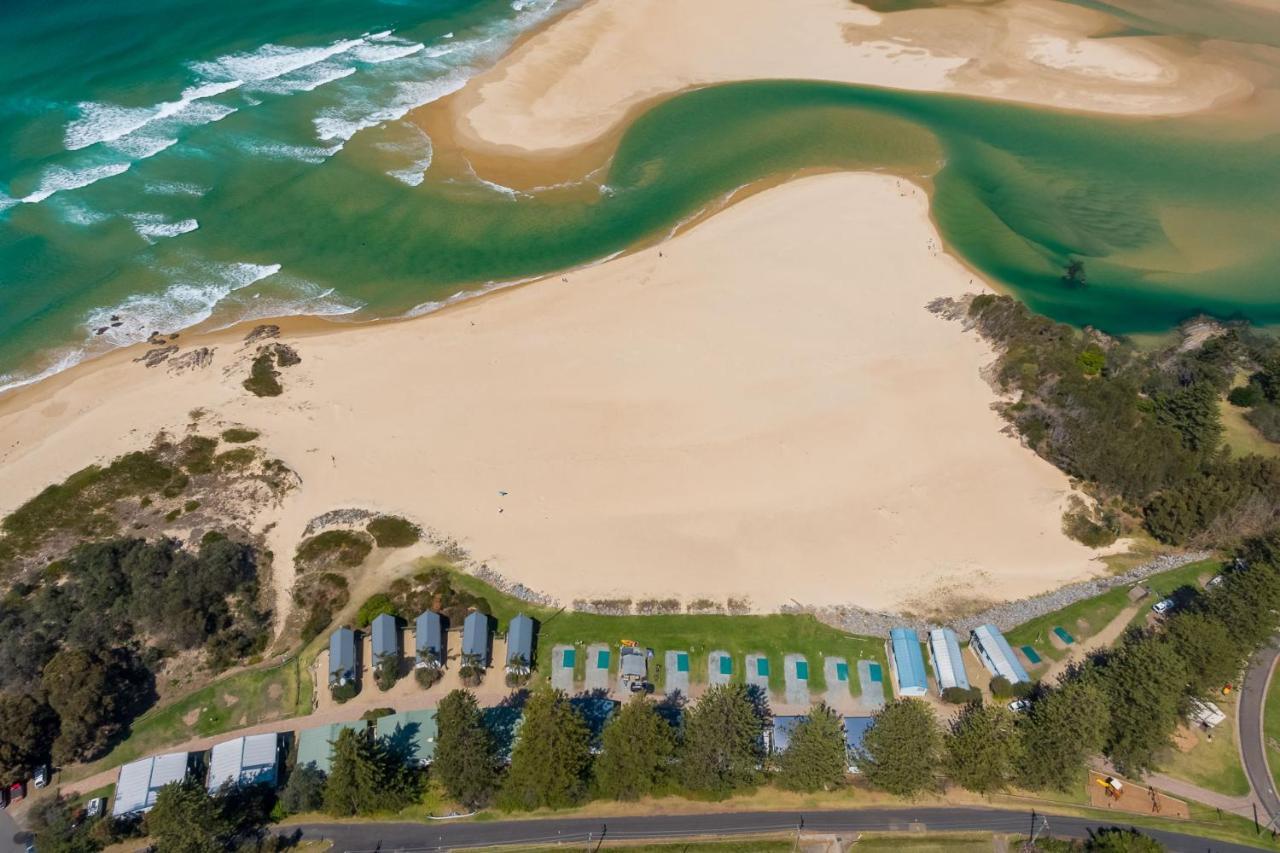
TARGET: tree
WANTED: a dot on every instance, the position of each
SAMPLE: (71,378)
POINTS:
(53,820)
(900,751)
(723,742)
(187,819)
(637,747)
(464,760)
(1146,682)
(304,792)
(363,778)
(982,748)
(27,725)
(1212,656)
(1117,840)
(95,694)
(551,757)
(816,759)
(1061,730)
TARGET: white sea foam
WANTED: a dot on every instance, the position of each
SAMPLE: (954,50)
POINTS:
(61,360)
(307,79)
(154,226)
(174,188)
(79,214)
(314,154)
(142,147)
(186,302)
(59,178)
(346,121)
(109,122)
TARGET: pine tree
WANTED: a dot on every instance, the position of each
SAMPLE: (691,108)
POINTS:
(1212,656)
(816,758)
(1061,730)
(1117,840)
(187,819)
(465,761)
(982,748)
(1146,683)
(636,751)
(551,757)
(900,752)
(363,778)
(723,742)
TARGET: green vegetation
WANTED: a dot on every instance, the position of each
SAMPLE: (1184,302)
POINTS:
(901,752)
(376,605)
(391,531)
(239,435)
(723,746)
(637,749)
(773,635)
(466,761)
(551,761)
(264,379)
(816,759)
(367,776)
(322,594)
(1271,728)
(1211,764)
(983,749)
(1059,734)
(188,819)
(334,548)
(1143,430)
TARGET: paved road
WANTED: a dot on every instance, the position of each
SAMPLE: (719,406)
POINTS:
(390,837)
(1253,751)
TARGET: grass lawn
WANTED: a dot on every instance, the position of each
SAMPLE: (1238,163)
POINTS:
(1211,764)
(242,699)
(1271,729)
(1086,618)
(773,635)
(1242,437)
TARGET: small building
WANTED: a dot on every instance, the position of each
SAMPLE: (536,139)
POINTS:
(779,735)
(855,728)
(907,663)
(475,637)
(140,781)
(315,746)
(410,734)
(520,645)
(428,636)
(995,653)
(948,665)
(250,760)
(1206,714)
(342,658)
(384,638)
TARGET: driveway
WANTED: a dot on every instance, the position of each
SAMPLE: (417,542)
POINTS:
(1253,749)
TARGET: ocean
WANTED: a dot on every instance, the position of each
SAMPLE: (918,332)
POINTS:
(165,163)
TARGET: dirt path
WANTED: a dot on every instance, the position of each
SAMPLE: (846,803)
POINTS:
(1102,639)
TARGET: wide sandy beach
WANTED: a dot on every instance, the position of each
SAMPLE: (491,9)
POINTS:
(579,78)
(761,407)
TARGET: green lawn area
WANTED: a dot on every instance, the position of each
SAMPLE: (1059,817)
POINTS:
(1211,764)
(1085,618)
(1271,729)
(242,699)
(959,842)
(1240,436)
(773,635)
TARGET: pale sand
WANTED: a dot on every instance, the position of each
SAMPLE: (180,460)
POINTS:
(765,410)
(579,77)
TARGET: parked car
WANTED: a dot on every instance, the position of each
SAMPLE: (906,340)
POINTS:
(17,792)
(1163,606)
(4,798)
(95,807)
(42,776)
(1020,705)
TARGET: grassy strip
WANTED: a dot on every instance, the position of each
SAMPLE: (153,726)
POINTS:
(774,635)
(1212,764)
(1271,729)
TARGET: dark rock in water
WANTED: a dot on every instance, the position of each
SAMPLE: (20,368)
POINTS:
(117,323)
(286,356)
(115,316)
(100,330)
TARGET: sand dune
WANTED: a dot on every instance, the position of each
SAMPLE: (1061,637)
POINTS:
(579,77)
(759,407)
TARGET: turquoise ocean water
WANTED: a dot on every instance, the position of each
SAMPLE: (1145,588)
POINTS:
(166,162)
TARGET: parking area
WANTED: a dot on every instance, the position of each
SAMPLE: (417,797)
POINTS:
(563,659)
(871,680)
(676,673)
(598,658)
(758,671)
(719,667)
(835,671)
(796,672)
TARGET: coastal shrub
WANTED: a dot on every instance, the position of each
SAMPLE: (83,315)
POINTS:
(704,606)
(391,531)
(1265,418)
(657,606)
(238,458)
(239,435)
(344,692)
(264,379)
(334,548)
(471,672)
(195,454)
(1094,526)
(377,713)
(172,515)
(191,506)
(1246,396)
(373,607)
(428,676)
(1091,360)
(961,695)
(386,672)
(322,595)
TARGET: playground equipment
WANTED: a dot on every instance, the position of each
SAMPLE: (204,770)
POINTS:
(1113,787)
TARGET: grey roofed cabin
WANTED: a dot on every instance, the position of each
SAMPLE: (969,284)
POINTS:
(520,643)
(429,638)
(342,657)
(385,639)
(475,637)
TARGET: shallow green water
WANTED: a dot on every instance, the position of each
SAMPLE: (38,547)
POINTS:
(1172,217)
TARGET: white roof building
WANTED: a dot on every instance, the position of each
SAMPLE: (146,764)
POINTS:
(996,654)
(948,666)
(244,761)
(140,781)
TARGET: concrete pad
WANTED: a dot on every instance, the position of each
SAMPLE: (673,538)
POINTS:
(719,667)
(796,670)
(597,675)
(835,670)
(757,671)
(872,698)
(562,661)
(676,673)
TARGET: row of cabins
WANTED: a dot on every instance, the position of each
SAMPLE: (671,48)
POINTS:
(430,632)
(248,760)
(906,661)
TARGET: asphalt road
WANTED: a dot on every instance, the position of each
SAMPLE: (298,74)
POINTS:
(390,837)
(1253,753)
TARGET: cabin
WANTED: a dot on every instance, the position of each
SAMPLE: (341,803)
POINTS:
(944,654)
(475,638)
(342,658)
(140,781)
(520,645)
(428,636)
(906,663)
(995,653)
(250,760)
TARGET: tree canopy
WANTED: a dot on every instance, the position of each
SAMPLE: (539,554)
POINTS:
(723,741)
(901,750)
(637,747)
(465,762)
(816,758)
(552,755)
